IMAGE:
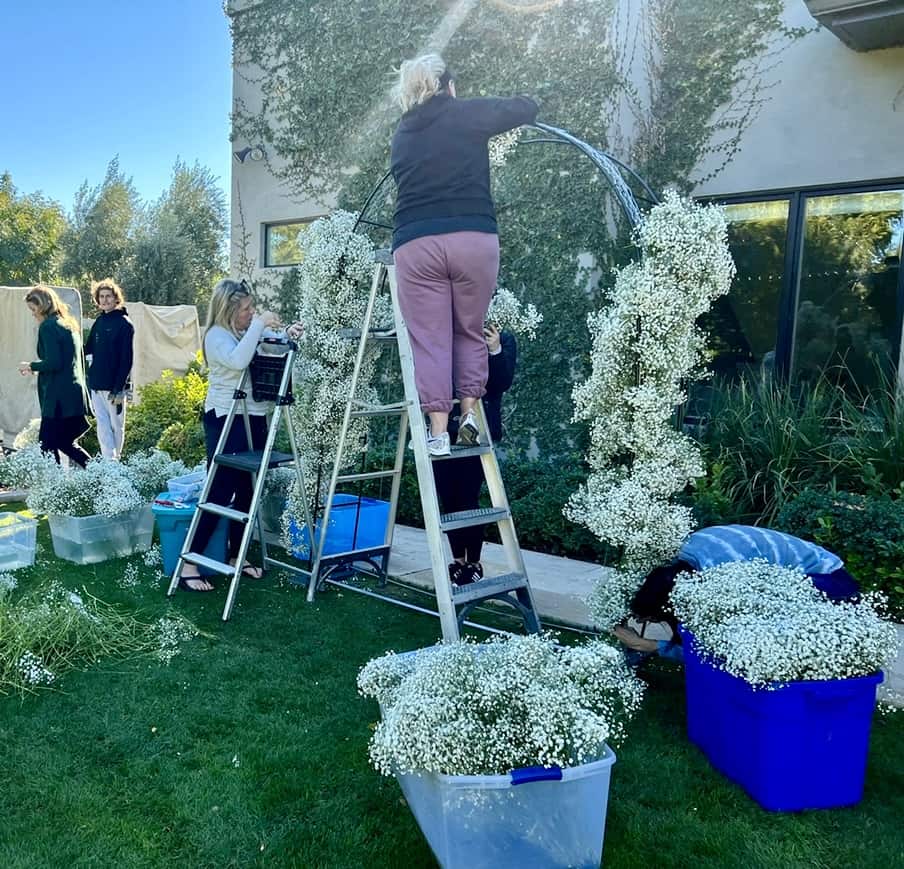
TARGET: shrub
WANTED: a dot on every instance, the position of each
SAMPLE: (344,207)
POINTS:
(169,401)
(866,531)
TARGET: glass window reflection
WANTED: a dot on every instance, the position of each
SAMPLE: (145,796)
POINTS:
(847,291)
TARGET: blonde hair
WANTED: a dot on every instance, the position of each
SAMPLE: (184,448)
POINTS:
(224,303)
(49,304)
(112,286)
(419,80)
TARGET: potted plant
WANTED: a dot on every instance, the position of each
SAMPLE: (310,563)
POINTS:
(781,681)
(502,748)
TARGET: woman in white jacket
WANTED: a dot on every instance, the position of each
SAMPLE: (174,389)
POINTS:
(231,336)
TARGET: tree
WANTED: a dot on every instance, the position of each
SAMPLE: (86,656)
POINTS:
(30,231)
(178,246)
(102,218)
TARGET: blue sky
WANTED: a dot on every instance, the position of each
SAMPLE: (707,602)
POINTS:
(85,80)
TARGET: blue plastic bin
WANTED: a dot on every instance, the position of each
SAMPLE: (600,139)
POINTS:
(172,524)
(800,745)
(355,523)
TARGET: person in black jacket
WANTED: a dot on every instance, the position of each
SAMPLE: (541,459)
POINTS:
(110,347)
(61,376)
(458,483)
(445,239)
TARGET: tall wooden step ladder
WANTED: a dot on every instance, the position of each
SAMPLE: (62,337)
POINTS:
(269,376)
(454,602)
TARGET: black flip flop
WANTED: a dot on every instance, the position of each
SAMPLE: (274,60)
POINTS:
(184,580)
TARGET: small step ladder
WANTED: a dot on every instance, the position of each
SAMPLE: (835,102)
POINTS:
(454,602)
(270,378)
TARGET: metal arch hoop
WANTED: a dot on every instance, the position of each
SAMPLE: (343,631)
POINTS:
(610,167)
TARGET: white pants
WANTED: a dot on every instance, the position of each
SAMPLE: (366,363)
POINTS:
(111,426)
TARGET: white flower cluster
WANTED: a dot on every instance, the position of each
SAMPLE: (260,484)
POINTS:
(502,145)
(104,487)
(507,312)
(28,468)
(334,281)
(151,469)
(8,583)
(32,670)
(645,347)
(152,557)
(486,708)
(768,624)
(28,436)
(169,633)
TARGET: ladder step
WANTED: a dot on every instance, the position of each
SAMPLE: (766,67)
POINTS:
(353,554)
(457,452)
(251,460)
(470,518)
(369,475)
(388,334)
(209,563)
(382,410)
(220,510)
(485,588)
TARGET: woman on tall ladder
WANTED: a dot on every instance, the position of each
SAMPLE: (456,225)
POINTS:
(445,240)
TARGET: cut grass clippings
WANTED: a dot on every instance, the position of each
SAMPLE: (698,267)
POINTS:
(249,748)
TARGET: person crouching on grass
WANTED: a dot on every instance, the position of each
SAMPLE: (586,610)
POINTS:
(721,544)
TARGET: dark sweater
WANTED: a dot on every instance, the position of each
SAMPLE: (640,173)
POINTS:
(110,345)
(61,372)
(441,164)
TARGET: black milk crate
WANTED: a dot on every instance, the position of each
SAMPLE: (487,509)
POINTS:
(266,376)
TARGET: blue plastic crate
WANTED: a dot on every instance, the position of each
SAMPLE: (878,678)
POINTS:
(800,745)
(172,525)
(355,523)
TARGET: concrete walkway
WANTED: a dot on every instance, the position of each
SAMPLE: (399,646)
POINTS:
(560,587)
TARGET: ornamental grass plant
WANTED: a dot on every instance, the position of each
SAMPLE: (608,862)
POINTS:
(768,624)
(487,708)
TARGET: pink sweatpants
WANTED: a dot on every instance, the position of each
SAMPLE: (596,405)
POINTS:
(445,284)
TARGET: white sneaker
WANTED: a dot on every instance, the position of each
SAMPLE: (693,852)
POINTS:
(468,430)
(439,445)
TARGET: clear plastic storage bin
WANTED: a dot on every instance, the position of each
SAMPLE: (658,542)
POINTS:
(17,541)
(89,539)
(187,487)
(488,822)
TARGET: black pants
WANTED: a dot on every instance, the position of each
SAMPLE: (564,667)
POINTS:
(458,487)
(59,434)
(230,485)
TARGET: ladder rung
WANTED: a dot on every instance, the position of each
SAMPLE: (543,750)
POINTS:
(209,563)
(354,554)
(485,588)
(470,518)
(382,410)
(457,452)
(220,510)
(252,460)
(369,475)
(388,334)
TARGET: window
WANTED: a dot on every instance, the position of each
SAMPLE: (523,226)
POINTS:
(846,312)
(281,243)
(819,284)
(744,324)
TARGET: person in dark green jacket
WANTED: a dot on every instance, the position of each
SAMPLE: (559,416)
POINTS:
(61,376)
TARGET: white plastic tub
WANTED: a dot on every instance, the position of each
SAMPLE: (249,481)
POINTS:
(89,539)
(17,541)
(187,487)
(487,822)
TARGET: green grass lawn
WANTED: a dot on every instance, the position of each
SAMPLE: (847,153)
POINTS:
(249,749)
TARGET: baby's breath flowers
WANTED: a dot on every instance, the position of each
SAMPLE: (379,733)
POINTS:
(334,281)
(646,346)
(507,312)
(487,708)
(767,624)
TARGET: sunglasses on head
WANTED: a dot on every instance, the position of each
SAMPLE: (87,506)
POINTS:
(243,289)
